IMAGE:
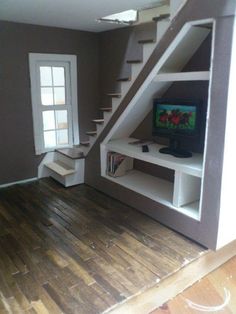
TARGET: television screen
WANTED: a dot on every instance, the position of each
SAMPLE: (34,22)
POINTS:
(177,120)
(174,117)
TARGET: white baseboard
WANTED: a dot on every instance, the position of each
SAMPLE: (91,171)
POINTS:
(18,182)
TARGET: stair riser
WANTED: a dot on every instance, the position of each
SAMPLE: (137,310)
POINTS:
(92,139)
(99,128)
(135,70)
(57,177)
(161,29)
(125,86)
(107,116)
(66,160)
(147,51)
(71,179)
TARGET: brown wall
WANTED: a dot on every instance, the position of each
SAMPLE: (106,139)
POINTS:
(17,156)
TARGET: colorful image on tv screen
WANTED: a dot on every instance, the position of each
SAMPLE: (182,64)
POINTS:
(176,117)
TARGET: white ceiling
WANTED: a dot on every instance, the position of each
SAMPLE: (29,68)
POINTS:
(73,14)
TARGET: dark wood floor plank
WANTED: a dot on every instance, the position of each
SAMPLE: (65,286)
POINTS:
(58,299)
(76,250)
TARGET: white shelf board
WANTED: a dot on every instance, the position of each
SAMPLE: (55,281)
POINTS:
(183,76)
(156,189)
(191,166)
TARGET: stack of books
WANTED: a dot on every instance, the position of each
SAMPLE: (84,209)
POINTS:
(118,164)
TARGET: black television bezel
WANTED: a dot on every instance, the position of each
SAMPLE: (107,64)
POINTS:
(177,133)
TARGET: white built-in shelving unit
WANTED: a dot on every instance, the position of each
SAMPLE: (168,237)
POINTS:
(184,194)
(183,76)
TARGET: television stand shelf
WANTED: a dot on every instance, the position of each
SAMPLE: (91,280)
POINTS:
(182,195)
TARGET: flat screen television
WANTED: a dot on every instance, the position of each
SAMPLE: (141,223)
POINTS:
(176,119)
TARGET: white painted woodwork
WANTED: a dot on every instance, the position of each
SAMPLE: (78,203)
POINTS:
(191,166)
(63,169)
(155,188)
(125,86)
(183,76)
(60,168)
(148,49)
(43,171)
(161,28)
(227,229)
(2,186)
(186,189)
(69,63)
(183,195)
(183,47)
(135,70)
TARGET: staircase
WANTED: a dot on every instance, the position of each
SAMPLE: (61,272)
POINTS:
(125,83)
(67,165)
(64,165)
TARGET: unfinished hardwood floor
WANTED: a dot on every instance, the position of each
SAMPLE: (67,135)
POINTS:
(76,250)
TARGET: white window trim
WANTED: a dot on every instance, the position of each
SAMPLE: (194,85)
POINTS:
(34,59)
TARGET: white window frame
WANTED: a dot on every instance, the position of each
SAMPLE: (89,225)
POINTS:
(69,62)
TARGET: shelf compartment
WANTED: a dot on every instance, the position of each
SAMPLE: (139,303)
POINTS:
(157,189)
(186,189)
(183,76)
(191,166)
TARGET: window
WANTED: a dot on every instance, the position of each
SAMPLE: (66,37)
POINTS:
(54,100)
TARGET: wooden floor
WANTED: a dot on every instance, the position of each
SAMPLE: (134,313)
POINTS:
(215,293)
(76,250)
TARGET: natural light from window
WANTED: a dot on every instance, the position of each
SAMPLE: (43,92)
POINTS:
(54,101)
(128,17)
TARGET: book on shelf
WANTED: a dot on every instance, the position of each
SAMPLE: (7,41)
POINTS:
(118,164)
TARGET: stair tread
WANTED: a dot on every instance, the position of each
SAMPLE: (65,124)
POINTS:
(91,132)
(134,61)
(123,79)
(60,168)
(146,41)
(118,95)
(73,152)
(85,143)
(105,108)
(98,120)
(161,17)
